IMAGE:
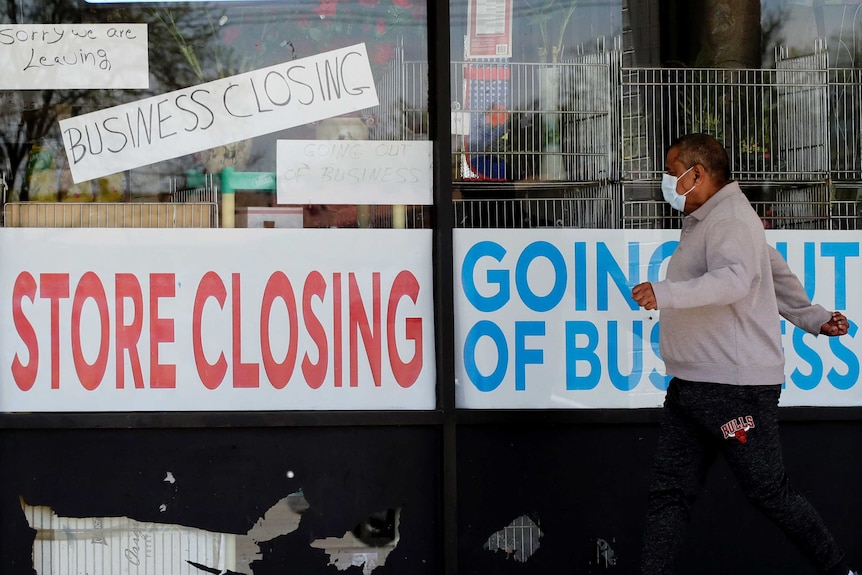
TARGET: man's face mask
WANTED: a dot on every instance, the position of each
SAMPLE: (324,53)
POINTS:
(668,190)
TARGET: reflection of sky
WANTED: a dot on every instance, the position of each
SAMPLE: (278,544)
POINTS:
(592,20)
(841,27)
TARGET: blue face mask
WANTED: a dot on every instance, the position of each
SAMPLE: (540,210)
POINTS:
(668,190)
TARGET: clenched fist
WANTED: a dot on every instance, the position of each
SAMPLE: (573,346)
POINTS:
(644,296)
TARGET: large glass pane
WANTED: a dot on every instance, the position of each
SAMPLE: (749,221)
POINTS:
(533,112)
(80,126)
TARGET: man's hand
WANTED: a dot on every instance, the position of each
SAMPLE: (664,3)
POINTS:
(836,326)
(645,297)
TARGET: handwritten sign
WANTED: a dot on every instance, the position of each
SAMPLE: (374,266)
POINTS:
(354,172)
(219,112)
(73,56)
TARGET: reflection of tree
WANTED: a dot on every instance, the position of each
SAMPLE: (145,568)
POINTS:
(732,38)
(30,117)
(552,18)
(190,38)
(770,33)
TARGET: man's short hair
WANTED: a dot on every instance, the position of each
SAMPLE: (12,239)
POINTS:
(705,150)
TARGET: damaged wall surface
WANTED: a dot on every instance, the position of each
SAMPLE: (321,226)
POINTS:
(583,490)
(247,501)
(532,498)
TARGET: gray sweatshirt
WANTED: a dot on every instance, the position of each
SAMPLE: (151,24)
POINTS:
(724,290)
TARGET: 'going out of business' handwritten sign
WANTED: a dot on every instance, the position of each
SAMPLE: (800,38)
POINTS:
(354,172)
(219,112)
(73,56)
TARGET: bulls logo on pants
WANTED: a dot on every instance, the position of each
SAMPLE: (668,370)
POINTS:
(738,428)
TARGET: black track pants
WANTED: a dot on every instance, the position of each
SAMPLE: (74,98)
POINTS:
(701,420)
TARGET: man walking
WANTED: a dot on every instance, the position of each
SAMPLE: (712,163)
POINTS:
(721,341)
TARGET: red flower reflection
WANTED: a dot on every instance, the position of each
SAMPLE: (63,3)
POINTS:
(419,11)
(382,53)
(229,36)
(403,3)
(326,8)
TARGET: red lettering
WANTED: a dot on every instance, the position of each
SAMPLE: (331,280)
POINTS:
(54,287)
(127,287)
(244,374)
(161,331)
(24,375)
(336,328)
(358,325)
(314,373)
(278,286)
(212,375)
(406,374)
(90,287)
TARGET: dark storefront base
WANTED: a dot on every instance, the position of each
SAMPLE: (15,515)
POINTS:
(225,480)
(582,484)
(585,487)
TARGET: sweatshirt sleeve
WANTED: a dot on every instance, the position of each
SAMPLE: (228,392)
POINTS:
(732,267)
(793,303)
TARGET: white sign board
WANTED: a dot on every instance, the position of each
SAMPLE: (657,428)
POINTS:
(179,320)
(354,172)
(219,112)
(544,318)
(73,56)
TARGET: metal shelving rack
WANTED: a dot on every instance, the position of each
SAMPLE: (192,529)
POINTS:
(793,134)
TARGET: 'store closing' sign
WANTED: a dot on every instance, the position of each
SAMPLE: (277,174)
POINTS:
(219,112)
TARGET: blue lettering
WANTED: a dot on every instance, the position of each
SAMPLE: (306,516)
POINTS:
(523,356)
(498,277)
(574,354)
(661,253)
(840,251)
(606,266)
(553,255)
(494,379)
(849,358)
(659,380)
(805,353)
(783,333)
(630,381)
(810,269)
(580,276)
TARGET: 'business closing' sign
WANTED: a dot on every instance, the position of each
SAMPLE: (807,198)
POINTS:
(219,112)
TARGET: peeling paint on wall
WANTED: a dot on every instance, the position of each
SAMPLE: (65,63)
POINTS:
(605,554)
(518,540)
(280,519)
(368,545)
(123,546)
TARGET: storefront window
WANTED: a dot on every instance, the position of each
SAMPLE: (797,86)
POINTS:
(798,24)
(150,103)
(532,111)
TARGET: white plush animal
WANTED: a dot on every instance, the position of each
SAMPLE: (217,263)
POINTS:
(343,128)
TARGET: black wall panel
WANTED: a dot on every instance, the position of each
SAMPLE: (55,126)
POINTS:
(586,486)
(225,480)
